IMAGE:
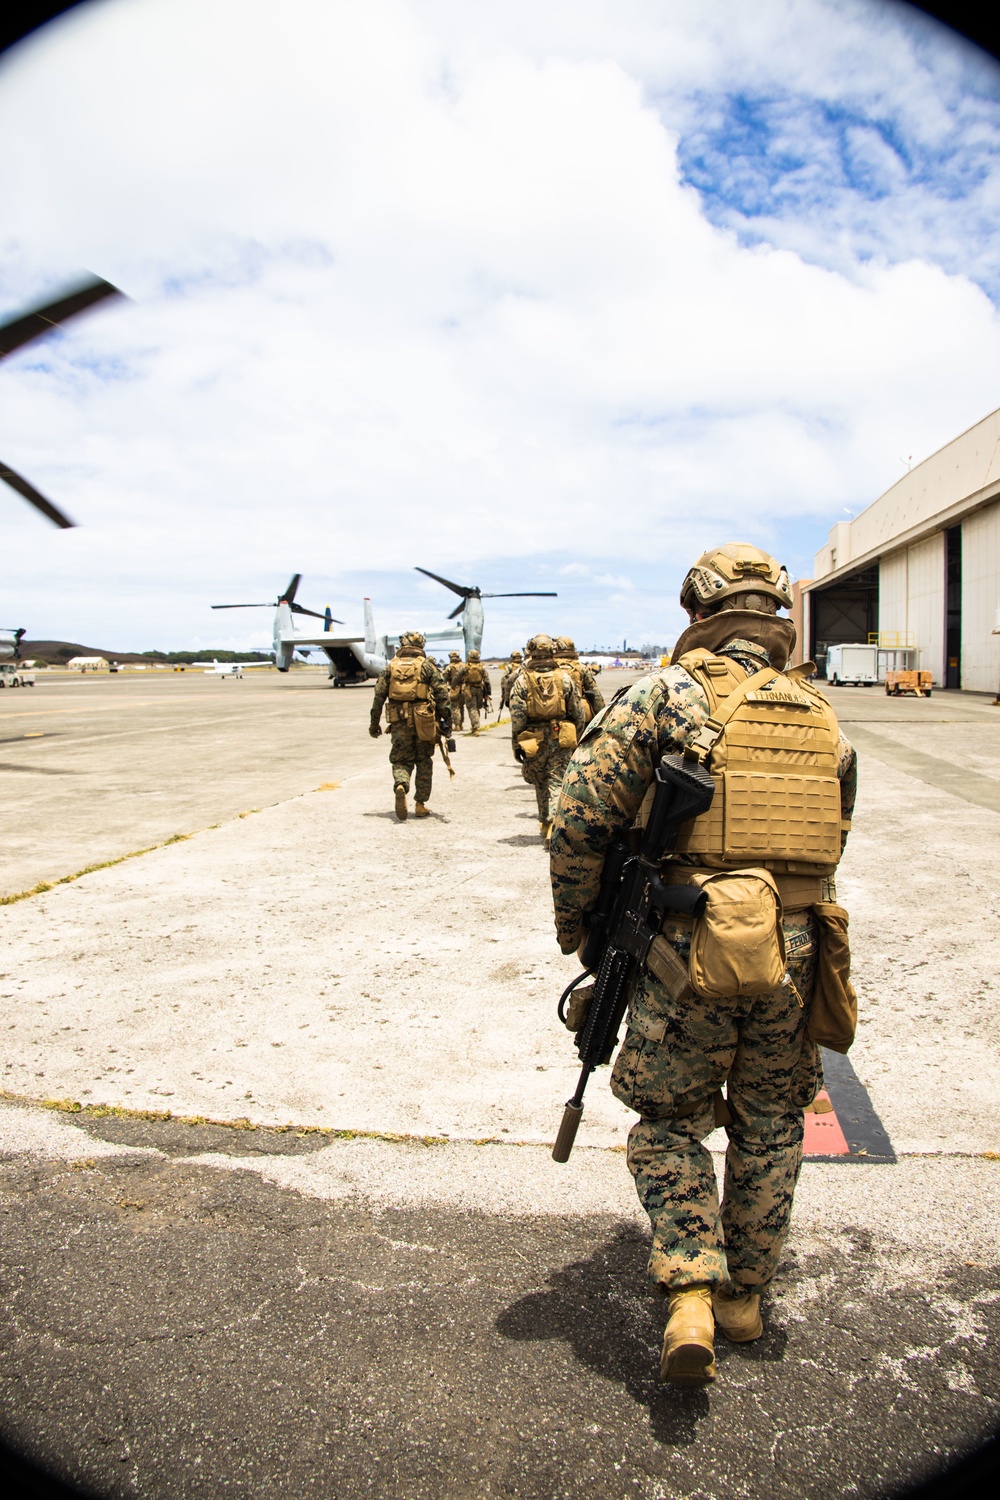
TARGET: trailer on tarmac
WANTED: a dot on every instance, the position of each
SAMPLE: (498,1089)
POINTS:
(917,683)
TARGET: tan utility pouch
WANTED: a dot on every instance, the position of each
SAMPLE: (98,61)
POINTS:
(528,742)
(567,735)
(425,722)
(666,965)
(737,944)
(833,1014)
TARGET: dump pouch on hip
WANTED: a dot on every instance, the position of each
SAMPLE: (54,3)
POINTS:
(528,743)
(737,944)
(567,735)
(425,722)
(833,1014)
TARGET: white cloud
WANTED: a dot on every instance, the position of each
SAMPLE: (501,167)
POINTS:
(422,282)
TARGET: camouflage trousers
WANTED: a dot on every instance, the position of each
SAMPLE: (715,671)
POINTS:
(475,703)
(407,752)
(457,710)
(676,1054)
(545,772)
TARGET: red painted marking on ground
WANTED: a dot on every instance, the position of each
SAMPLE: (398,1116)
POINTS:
(824,1136)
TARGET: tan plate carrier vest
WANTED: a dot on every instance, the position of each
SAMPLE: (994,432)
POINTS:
(771,742)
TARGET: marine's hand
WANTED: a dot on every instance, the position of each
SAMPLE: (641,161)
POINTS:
(374,730)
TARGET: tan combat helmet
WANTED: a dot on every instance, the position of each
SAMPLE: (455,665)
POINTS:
(412,639)
(515,655)
(472,656)
(454,656)
(565,646)
(736,576)
(541,645)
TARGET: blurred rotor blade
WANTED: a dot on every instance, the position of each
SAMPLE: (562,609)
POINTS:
(34,498)
(531,594)
(300,609)
(31,325)
(241,606)
(288,597)
(456,588)
(459,608)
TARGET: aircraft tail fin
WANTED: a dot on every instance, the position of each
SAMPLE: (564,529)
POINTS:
(369,626)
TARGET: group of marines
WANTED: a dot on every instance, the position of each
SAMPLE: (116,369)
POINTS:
(550,694)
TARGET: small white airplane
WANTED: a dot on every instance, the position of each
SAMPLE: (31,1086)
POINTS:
(352,658)
(233,668)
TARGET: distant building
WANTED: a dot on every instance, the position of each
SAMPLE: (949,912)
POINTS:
(88,663)
(919,568)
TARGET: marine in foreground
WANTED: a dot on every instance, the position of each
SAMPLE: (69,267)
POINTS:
(738,990)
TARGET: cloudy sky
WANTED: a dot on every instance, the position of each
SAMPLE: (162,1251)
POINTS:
(541,294)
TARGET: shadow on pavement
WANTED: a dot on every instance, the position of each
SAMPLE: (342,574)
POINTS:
(606,1310)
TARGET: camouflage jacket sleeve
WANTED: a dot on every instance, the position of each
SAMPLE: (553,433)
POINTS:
(574,703)
(591,691)
(439,693)
(381,694)
(847,771)
(487,687)
(518,706)
(606,781)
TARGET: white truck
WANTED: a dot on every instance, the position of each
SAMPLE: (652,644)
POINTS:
(852,664)
(15,676)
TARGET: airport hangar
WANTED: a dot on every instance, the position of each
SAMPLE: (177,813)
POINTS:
(919,568)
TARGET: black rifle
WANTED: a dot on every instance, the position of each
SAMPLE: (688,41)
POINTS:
(622,926)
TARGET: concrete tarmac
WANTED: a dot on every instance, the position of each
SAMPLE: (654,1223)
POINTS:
(402,1294)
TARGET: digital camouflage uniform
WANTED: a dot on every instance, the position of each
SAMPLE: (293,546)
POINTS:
(454,676)
(407,752)
(677,1053)
(544,771)
(476,694)
(509,677)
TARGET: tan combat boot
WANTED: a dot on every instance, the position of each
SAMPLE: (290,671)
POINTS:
(421,810)
(738,1317)
(688,1356)
(401,803)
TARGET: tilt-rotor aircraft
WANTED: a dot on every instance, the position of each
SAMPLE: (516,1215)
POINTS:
(471,607)
(352,658)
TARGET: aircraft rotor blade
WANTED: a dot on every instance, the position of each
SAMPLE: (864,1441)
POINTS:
(241,606)
(33,497)
(300,609)
(40,320)
(456,588)
(288,597)
(459,608)
(531,594)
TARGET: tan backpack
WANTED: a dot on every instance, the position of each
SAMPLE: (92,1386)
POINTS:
(405,684)
(546,699)
(473,674)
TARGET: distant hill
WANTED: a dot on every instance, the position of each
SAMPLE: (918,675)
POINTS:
(58,653)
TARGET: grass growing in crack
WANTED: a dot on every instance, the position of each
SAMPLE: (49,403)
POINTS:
(104,864)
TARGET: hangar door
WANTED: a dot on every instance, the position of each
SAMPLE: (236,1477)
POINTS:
(843,614)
